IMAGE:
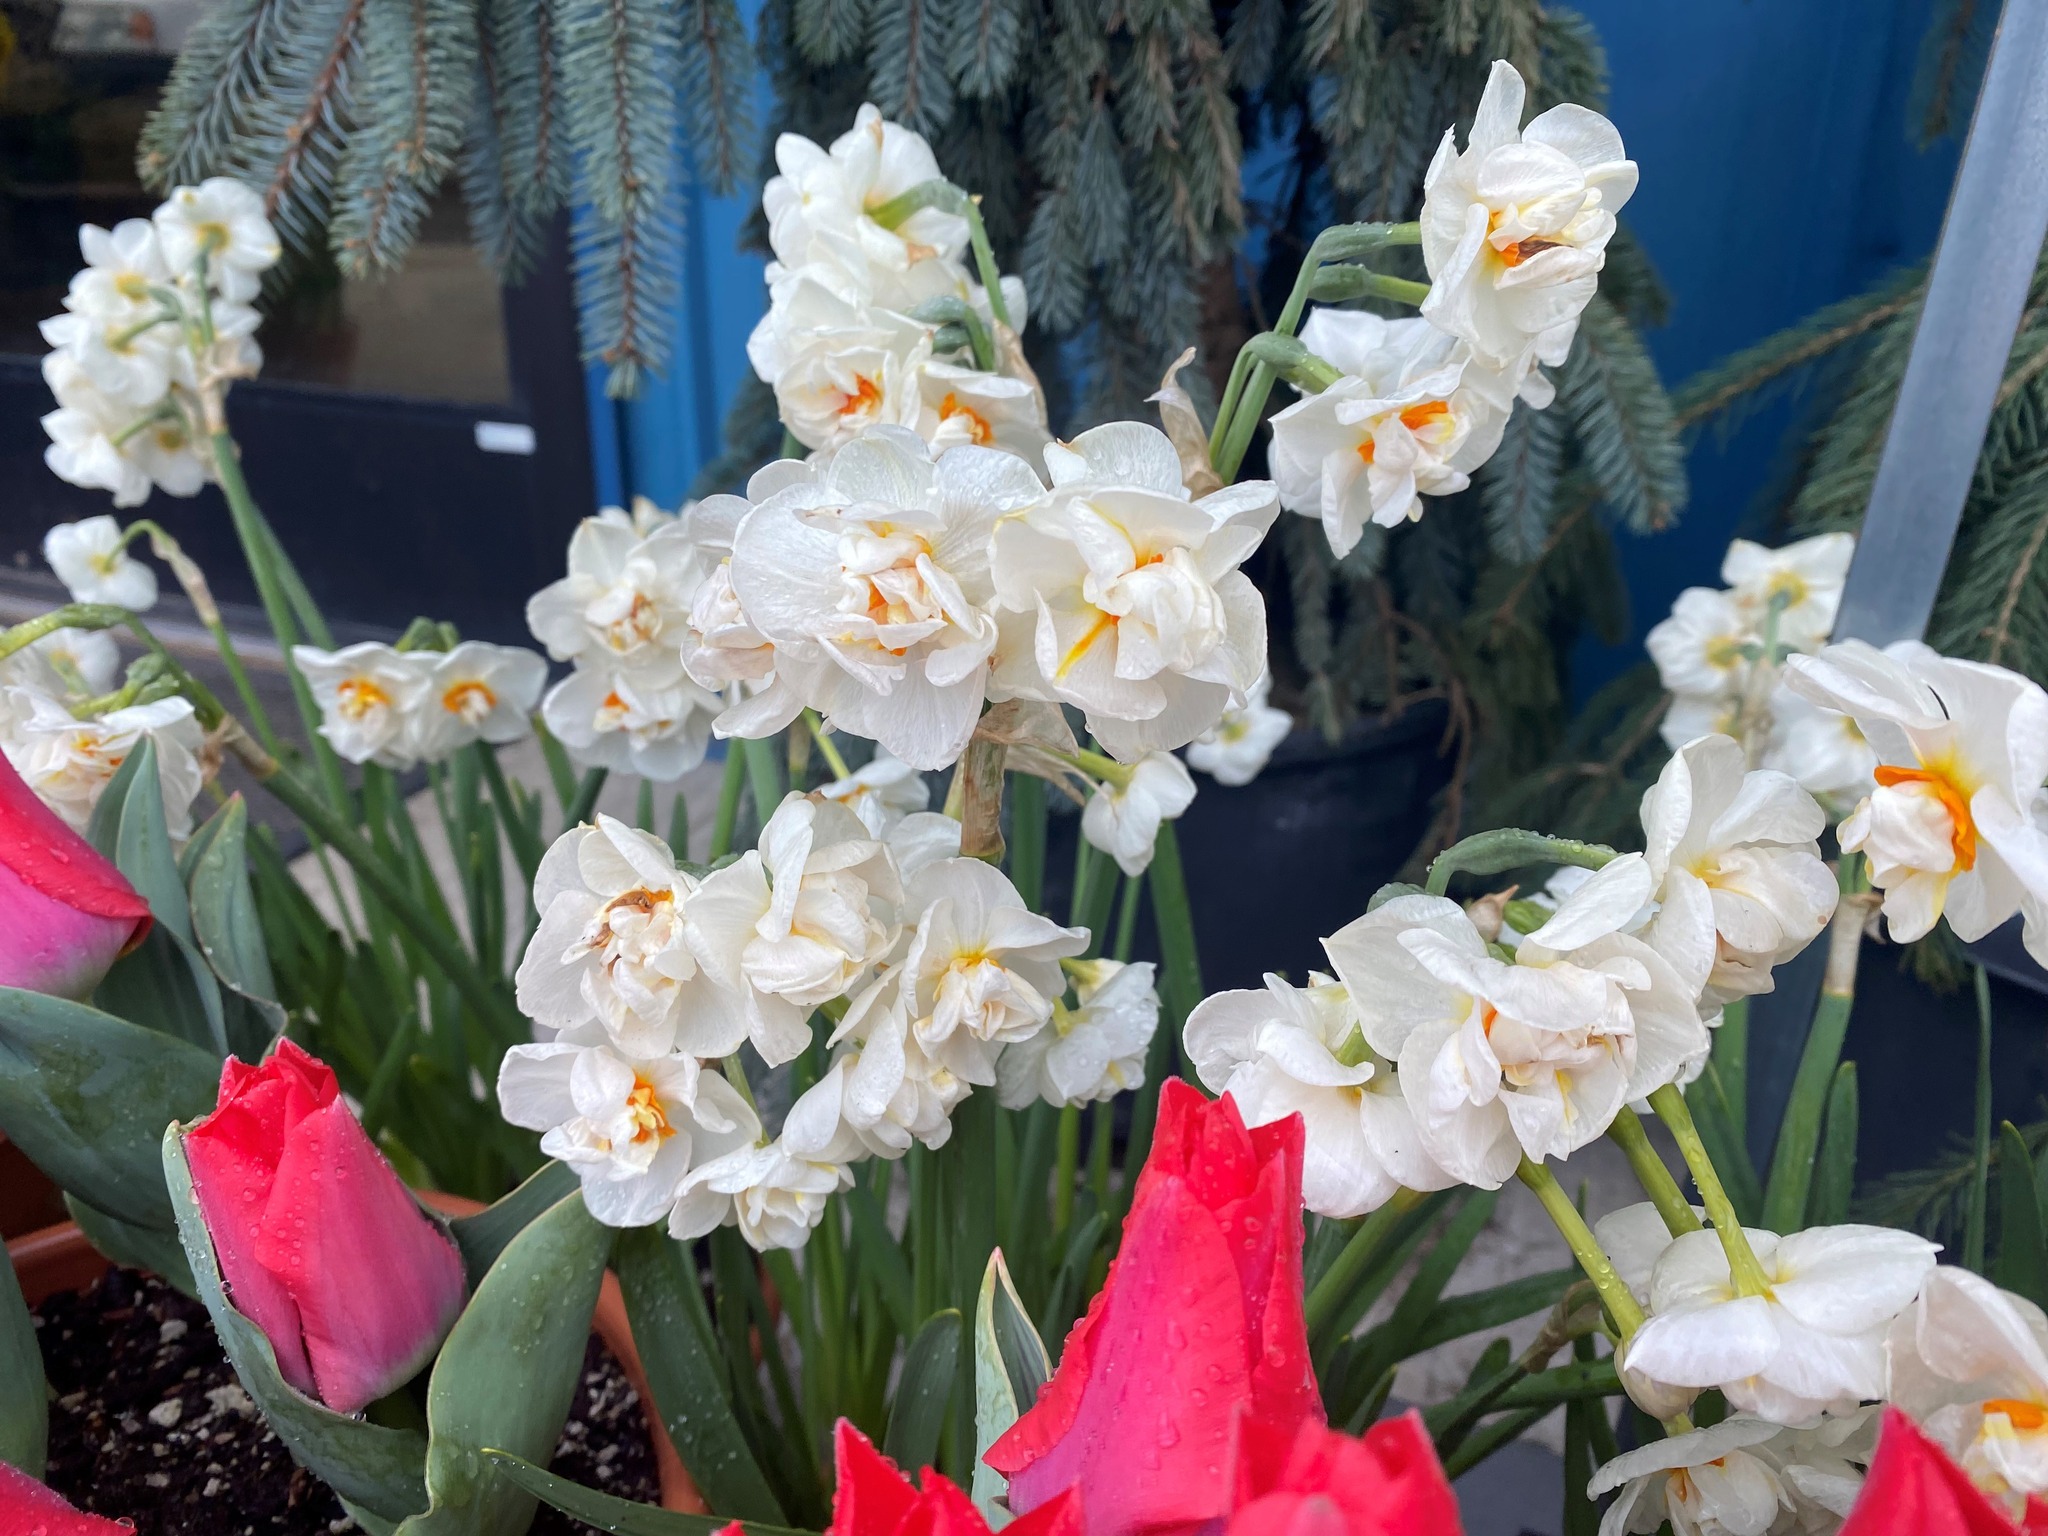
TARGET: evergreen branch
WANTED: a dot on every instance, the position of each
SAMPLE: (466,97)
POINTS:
(1623,419)
(1581,496)
(218,75)
(319,110)
(987,48)
(1518,485)
(718,71)
(829,31)
(2022,574)
(1738,379)
(908,47)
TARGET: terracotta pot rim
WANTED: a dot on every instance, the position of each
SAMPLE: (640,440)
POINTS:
(59,1258)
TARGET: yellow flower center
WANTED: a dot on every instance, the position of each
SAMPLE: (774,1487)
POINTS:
(643,1108)
(471,699)
(359,697)
(1414,418)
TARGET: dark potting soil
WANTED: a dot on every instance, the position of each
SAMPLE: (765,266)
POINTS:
(148,1422)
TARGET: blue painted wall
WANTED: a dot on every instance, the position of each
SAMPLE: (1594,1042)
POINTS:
(1778,175)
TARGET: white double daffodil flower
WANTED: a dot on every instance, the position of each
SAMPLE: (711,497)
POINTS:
(1953,827)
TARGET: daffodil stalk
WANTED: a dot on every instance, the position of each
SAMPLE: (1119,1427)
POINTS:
(1627,1133)
(1244,398)
(1743,1269)
(1491,853)
(70,616)
(1564,1215)
(944,195)
(827,748)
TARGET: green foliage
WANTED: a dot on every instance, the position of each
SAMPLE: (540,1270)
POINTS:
(24,1397)
(350,116)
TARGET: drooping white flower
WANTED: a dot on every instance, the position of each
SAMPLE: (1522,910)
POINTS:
(631,721)
(1123,817)
(966,407)
(1802,582)
(1962,751)
(1499,1059)
(1813,1344)
(1970,1362)
(1123,597)
(221,219)
(80,662)
(798,920)
(881,792)
(476,692)
(1735,863)
(776,1192)
(1399,425)
(1742,1477)
(68,761)
(980,969)
(630,1126)
(1092,1051)
(625,602)
(91,558)
(95,442)
(1236,747)
(821,206)
(1302,1050)
(838,366)
(1700,649)
(721,649)
(1515,229)
(368,694)
(122,265)
(612,945)
(872,581)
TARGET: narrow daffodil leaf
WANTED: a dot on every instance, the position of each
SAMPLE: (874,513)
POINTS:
(619,1516)
(24,1399)
(924,1392)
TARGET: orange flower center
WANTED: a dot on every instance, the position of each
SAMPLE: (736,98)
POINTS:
(978,429)
(866,396)
(1103,622)
(1415,418)
(643,1107)
(2021,1414)
(360,696)
(472,700)
(1962,830)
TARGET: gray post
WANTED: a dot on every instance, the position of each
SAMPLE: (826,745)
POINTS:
(1990,241)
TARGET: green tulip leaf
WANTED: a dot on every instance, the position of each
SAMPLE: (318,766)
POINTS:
(508,1372)
(165,985)
(103,829)
(620,1516)
(2022,1263)
(87,1096)
(134,1247)
(230,934)
(369,1465)
(686,1373)
(24,1398)
(482,1237)
(1010,1365)
(142,844)
(924,1392)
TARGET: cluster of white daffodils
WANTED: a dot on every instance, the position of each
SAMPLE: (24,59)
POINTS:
(153,330)
(63,724)
(1446,1051)
(870,267)
(855,909)
(1514,234)
(395,708)
(1721,656)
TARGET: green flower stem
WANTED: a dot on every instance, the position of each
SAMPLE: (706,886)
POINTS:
(736,1074)
(728,801)
(1621,1306)
(1627,1133)
(1352,1260)
(490,1003)
(1068,1169)
(254,535)
(944,195)
(199,593)
(1490,853)
(1743,1268)
(70,616)
(1341,242)
(826,749)
(1980,1185)
(1335,284)
(764,777)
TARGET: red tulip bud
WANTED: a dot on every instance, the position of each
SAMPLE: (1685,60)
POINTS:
(28,1508)
(872,1498)
(1201,1317)
(66,914)
(320,1244)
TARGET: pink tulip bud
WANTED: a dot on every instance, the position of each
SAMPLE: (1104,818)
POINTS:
(320,1244)
(66,914)
(29,1507)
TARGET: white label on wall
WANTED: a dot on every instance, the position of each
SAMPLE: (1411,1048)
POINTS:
(504,437)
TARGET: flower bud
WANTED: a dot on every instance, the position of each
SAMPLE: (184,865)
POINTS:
(66,914)
(320,1244)
(1659,1399)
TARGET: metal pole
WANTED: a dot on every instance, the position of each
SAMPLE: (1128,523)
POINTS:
(1990,242)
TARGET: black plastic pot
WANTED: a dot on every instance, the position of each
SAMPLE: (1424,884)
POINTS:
(1276,864)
